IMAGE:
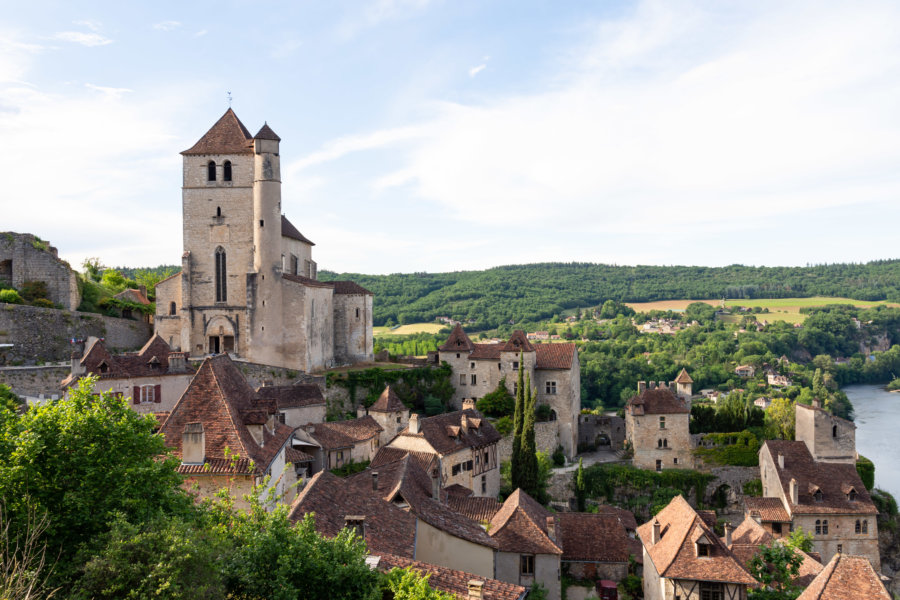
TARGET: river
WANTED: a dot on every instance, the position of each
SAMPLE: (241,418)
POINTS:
(877,417)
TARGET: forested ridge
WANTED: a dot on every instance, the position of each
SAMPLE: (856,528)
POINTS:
(538,291)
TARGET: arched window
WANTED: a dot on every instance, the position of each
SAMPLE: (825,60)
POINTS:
(665,442)
(211,171)
(221,291)
(818,496)
(226,171)
(659,443)
(171,308)
(218,211)
(858,527)
(834,431)
(852,496)
(865,526)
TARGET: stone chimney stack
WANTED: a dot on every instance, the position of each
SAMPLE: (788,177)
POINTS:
(77,369)
(642,385)
(728,534)
(794,491)
(651,385)
(816,403)
(374,481)
(143,290)
(177,362)
(436,482)
(468,404)
(663,385)
(193,444)
(464,423)
(655,536)
(414,423)
(551,528)
(781,461)
(476,589)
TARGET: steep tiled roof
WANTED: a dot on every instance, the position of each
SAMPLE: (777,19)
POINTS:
(518,342)
(832,479)
(593,537)
(388,402)
(674,555)
(683,377)
(656,401)
(387,528)
(292,396)
(288,230)
(132,295)
(150,361)
(554,356)
(220,399)
(845,577)
(769,509)
(452,581)
(266,133)
(344,434)
(440,433)
(389,454)
(458,341)
(521,526)
(486,352)
(227,136)
(626,517)
(293,455)
(750,535)
(349,288)
(477,508)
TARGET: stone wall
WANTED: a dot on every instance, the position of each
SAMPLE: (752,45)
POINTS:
(44,334)
(34,381)
(734,478)
(601,430)
(24,257)
(258,375)
(546,437)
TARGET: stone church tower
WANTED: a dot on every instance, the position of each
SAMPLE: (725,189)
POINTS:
(248,282)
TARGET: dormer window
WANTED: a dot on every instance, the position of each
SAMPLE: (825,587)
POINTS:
(852,496)
(211,171)
(226,171)
(703,550)
(104,368)
(817,495)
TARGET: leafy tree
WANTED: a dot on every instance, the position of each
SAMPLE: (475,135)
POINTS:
(800,540)
(780,418)
(528,478)
(407,584)
(775,566)
(8,400)
(580,493)
(93,268)
(498,403)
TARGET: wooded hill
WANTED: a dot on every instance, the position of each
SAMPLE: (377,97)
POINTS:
(538,291)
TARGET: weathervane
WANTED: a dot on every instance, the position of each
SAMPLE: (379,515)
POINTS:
(229,99)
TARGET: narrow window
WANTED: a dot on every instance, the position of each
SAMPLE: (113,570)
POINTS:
(483,484)
(818,527)
(818,496)
(262,223)
(662,422)
(295,265)
(658,466)
(462,379)
(526,565)
(665,443)
(858,526)
(218,211)
(474,379)
(659,443)
(824,526)
(840,548)
(675,461)
(357,314)
(865,526)
(172,308)
(211,171)
(221,290)
(226,171)
(834,431)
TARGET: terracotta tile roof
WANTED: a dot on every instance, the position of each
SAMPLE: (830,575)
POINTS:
(344,434)
(750,535)
(555,356)
(220,466)
(150,361)
(626,517)
(477,508)
(220,399)
(292,396)
(293,455)
(289,231)
(388,402)
(389,454)
(266,133)
(349,288)
(306,281)
(132,295)
(227,136)
(674,555)
(830,478)
(458,341)
(518,342)
(458,490)
(769,509)
(452,581)
(387,528)
(709,517)
(592,538)
(846,576)
(656,401)
(822,410)
(683,377)
(486,352)
(521,526)
(436,431)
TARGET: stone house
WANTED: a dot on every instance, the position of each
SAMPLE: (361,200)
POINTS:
(389,412)
(248,283)
(745,371)
(828,438)
(657,426)
(595,546)
(553,369)
(25,257)
(685,560)
(769,513)
(465,445)
(826,499)
(343,442)
(297,404)
(136,296)
(226,436)
(154,378)
(845,577)
(744,543)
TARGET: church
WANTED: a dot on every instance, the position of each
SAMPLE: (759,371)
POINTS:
(248,283)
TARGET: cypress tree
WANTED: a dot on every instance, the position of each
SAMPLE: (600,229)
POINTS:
(528,478)
(579,487)
(518,420)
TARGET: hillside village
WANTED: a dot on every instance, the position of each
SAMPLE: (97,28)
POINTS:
(263,380)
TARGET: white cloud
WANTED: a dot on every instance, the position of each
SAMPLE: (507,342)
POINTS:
(357,143)
(166,25)
(476,70)
(110,93)
(201,33)
(85,39)
(378,12)
(16,56)
(92,25)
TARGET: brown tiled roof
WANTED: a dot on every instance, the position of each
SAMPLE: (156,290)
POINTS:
(220,466)
(822,410)
(486,352)
(769,509)
(266,133)
(592,538)
(750,535)
(289,231)
(292,396)
(830,478)
(674,555)
(227,136)
(844,577)
(150,361)
(388,402)
(458,490)
(683,377)
(477,508)
(709,517)
(452,581)
(344,434)
(518,342)
(349,288)
(436,431)
(626,517)
(521,526)
(554,356)
(220,399)
(458,341)
(306,281)
(293,455)
(657,401)
(389,454)
(387,528)
(132,295)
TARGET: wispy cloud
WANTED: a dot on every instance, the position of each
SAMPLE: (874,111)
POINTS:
(477,69)
(85,39)
(167,25)
(379,12)
(92,25)
(108,92)
(347,145)
(201,33)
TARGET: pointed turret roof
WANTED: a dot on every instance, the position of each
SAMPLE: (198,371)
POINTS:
(266,133)
(288,230)
(518,342)
(388,402)
(683,377)
(458,341)
(227,136)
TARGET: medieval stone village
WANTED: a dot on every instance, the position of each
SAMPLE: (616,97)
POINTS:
(263,380)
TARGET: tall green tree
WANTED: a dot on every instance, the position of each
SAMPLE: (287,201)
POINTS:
(518,422)
(580,493)
(528,478)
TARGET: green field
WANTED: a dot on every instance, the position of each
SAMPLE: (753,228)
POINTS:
(409,329)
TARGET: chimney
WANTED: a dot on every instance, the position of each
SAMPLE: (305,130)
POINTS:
(414,423)
(551,528)
(642,385)
(77,368)
(256,430)
(177,362)
(361,412)
(728,534)
(651,385)
(193,444)
(817,403)
(781,461)
(794,491)
(464,423)
(310,428)
(468,404)
(662,385)
(356,524)
(476,589)
(143,290)
(374,481)
(655,536)
(436,482)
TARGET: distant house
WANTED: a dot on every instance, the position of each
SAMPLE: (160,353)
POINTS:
(297,404)
(779,380)
(657,425)
(389,412)
(539,335)
(762,402)
(465,586)
(342,442)
(745,371)
(137,297)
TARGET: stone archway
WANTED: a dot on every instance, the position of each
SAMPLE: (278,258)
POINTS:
(220,335)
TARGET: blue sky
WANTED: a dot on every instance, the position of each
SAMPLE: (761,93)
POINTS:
(428,135)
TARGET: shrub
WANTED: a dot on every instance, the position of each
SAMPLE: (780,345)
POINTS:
(559,457)
(350,468)
(43,303)
(498,403)
(433,406)
(32,290)
(504,425)
(884,502)
(866,470)
(10,297)
(542,412)
(753,488)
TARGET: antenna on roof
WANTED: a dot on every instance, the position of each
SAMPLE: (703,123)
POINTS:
(229,99)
